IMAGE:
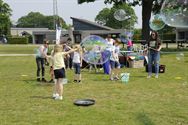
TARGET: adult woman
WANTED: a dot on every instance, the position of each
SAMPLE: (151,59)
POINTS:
(40,60)
(154,47)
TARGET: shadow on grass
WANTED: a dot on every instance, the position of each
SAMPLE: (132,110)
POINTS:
(41,97)
(97,73)
(44,84)
(143,76)
(38,83)
(144,119)
(30,81)
(102,80)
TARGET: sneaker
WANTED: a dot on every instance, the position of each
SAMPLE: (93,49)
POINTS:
(38,79)
(51,81)
(59,98)
(79,81)
(149,76)
(44,80)
(156,76)
(116,78)
(55,95)
(75,81)
(111,79)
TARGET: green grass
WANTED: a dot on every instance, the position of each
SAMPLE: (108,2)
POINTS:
(19,49)
(142,101)
(30,49)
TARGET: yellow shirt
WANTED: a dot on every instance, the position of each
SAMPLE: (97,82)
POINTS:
(58,60)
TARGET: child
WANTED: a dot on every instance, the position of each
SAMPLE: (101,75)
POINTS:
(129,44)
(114,61)
(77,63)
(59,70)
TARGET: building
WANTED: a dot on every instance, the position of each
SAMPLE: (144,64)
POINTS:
(23,31)
(181,34)
(83,28)
(38,34)
(182,37)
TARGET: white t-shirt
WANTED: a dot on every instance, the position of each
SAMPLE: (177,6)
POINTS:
(114,53)
(42,51)
(110,41)
(76,57)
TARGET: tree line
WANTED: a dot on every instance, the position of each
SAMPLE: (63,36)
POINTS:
(104,17)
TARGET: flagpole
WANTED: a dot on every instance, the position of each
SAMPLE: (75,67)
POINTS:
(57,25)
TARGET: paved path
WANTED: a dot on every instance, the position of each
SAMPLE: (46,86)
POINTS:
(17,54)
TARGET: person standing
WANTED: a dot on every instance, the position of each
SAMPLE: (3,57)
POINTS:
(106,65)
(67,57)
(129,44)
(114,60)
(77,63)
(4,39)
(59,70)
(154,47)
(70,44)
(40,60)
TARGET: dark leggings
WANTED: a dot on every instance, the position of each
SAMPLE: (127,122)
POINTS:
(40,65)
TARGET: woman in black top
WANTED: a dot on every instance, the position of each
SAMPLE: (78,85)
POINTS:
(154,47)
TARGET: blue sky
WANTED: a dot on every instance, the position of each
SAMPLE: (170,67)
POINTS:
(66,9)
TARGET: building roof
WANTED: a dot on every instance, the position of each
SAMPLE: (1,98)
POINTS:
(182,28)
(15,28)
(92,23)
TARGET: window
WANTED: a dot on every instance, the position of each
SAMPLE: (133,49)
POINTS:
(77,38)
(181,35)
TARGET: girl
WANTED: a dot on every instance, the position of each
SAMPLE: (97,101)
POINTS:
(59,70)
(114,61)
(129,44)
(77,63)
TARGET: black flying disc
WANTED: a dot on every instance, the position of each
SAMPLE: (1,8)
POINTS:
(84,102)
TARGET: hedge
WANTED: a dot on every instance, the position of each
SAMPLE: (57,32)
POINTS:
(17,40)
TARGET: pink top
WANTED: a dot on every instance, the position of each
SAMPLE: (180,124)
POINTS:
(129,43)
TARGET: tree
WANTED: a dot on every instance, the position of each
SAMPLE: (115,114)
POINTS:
(5,23)
(137,34)
(103,16)
(147,7)
(38,20)
(33,19)
(106,17)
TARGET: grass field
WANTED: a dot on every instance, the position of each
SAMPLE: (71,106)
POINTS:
(19,49)
(162,101)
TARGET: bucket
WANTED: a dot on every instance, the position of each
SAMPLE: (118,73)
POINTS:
(125,77)
(65,81)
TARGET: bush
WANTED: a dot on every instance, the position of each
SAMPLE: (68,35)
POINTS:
(17,40)
(171,37)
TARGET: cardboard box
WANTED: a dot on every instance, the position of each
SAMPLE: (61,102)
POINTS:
(136,63)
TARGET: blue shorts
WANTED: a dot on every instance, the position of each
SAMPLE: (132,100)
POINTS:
(59,73)
(114,64)
(77,68)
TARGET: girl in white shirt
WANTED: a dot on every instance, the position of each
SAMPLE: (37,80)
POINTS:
(77,63)
(114,61)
